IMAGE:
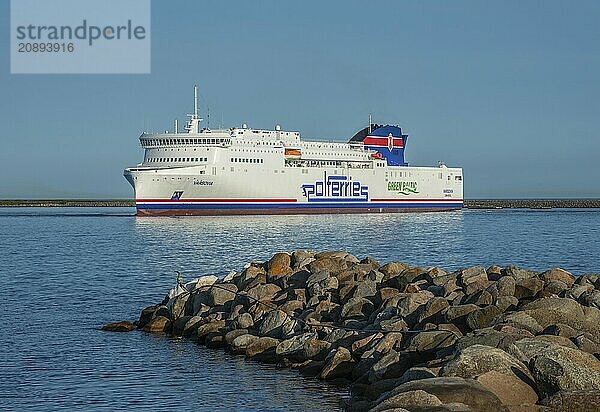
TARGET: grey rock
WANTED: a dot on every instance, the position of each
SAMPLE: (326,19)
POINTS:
(264,291)
(357,308)
(557,367)
(244,321)
(476,360)
(240,343)
(482,317)
(416,373)
(301,258)
(433,340)
(220,294)
(522,320)
(573,401)
(316,349)
(209,327)
(365,289)
(293,348)
(528,287)
(276,324)
(408,401)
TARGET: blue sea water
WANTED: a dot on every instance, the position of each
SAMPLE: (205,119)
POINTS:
(64,272)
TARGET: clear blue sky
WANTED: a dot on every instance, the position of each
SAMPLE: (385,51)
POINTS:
(508,90)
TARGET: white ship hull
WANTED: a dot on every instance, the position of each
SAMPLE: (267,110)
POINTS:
(257,190)
(250,171)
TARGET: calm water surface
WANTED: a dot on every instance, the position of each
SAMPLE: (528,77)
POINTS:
(65,272)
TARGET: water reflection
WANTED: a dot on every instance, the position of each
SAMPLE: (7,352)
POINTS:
(224,243)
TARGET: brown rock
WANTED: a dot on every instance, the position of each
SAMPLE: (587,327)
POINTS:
(338,364)
(432,308)
(158,324)
(508,388)
(392,269)
(279,266)
(559,340)
(210,327)
(316,349)
(558,274)
(261,349)
(123,326)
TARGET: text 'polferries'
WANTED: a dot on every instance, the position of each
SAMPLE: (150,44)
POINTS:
(336,189)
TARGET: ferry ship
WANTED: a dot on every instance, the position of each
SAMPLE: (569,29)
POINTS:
(242,170)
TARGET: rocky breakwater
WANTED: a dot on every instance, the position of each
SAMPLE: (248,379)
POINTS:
(403,337)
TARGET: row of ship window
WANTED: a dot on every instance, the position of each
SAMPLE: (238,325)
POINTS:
(177,159)
(244,160)
(157,142)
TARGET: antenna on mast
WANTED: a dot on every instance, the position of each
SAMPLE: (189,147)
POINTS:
(176,127)
(195,100)
(208,116)
(193,124)
(370,122)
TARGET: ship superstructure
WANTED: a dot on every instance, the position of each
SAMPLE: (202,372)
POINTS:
(255,171)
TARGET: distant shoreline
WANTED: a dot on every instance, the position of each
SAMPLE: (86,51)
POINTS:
(469,204)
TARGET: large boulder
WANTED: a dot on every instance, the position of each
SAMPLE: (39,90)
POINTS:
(432,310)
(473,279)
(321,282)
(158,324)
(264,292)
(357,308)
(331,265)
(431,340)
(417,399)
(476,360)
(553,310)
(558,274)
(338,364)
(557,367)
(220,294)
(482,317)
(240,343)
(528,287)
(301,258)
(209,327)
(293,348)
(276,324)
(316,349)
(279,266)
(262,349)
(573,401)
(511,390)
(204,281)
(392,269)
(451,390)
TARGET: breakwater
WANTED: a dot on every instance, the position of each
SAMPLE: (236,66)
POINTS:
(411,338)
(468,204)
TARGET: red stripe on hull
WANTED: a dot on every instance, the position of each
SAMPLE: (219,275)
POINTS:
(283,211)
(218,200)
